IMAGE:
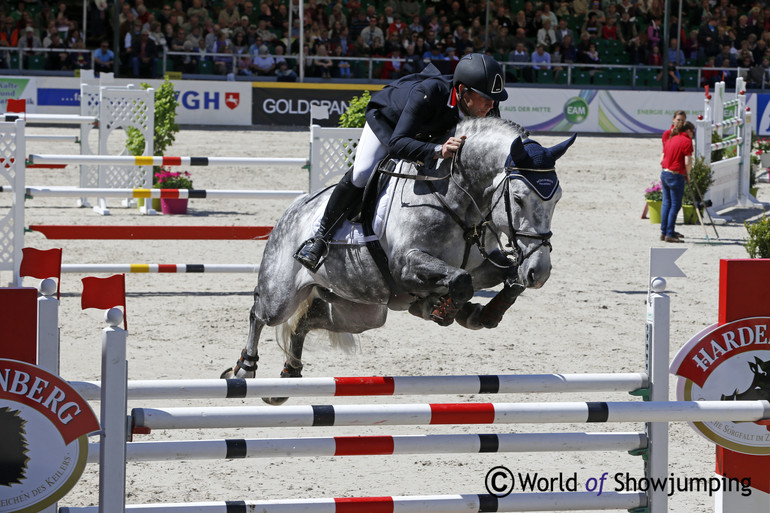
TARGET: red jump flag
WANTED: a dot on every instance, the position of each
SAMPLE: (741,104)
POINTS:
(104,293)
(42,263)
(16,105)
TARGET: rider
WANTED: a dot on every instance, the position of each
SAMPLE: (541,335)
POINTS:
(409,120)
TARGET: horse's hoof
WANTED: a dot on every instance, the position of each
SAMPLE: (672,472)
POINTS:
(275,401)
(468,316)
(227,374)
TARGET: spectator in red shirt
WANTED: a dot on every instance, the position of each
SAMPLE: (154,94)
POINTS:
(676,162)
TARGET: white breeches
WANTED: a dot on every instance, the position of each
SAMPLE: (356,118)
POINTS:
(368,152)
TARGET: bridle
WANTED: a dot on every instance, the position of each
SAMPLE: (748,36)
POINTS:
(475,234)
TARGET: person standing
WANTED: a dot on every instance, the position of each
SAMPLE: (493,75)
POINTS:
(676,163)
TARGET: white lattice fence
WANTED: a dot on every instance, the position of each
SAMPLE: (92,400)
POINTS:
(12,151)
(331,154)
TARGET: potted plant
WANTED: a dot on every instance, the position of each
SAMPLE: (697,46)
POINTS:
(654,196)
(763,151)
(165,127)
(758,243)
(166,179)
(701,178)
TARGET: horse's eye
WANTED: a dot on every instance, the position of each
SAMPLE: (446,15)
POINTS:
(519,201)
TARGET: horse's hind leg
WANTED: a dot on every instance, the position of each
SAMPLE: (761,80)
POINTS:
(246,366)
(335,315)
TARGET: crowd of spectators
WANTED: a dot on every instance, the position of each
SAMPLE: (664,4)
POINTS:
(253,37)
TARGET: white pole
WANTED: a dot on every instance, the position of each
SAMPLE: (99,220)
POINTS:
(656,465)
(112,453)
(401,385)
(48,327)
(77,192)
(369,445)
(455,414)
(130,160)
(469,503)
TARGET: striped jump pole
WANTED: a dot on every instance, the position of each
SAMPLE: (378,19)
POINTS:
(459,414)
(46,137)
(239,388)
(100,232)
(159,268)
(77,192)
(54,119)
(376,445)
(130,160)
(467,503)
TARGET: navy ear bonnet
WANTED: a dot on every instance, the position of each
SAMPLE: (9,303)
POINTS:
(535,165)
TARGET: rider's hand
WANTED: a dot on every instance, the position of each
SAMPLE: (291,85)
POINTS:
(451,146)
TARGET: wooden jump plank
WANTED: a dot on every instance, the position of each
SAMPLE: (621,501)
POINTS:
(92,232)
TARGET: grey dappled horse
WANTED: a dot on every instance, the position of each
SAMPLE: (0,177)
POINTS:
(427,240)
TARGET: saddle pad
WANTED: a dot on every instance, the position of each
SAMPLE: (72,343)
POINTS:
(352,234)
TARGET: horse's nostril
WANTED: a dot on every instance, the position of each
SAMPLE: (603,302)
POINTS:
(531,276)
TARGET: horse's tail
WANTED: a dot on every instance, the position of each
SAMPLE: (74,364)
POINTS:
(284,331)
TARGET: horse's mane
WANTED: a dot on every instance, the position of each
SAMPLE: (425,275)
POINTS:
(488,141)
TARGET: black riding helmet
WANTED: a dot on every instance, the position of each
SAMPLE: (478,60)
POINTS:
(482,74)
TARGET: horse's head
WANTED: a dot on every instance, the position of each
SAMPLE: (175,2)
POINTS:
(530,191)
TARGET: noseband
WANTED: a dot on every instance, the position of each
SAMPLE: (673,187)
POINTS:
(515,251)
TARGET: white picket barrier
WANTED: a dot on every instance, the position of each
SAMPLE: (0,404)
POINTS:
(732,175)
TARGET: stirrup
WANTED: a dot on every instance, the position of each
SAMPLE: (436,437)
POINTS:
(308,260)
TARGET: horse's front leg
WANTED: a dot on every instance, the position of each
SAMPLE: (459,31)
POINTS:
(425,273)
(246,366)
(493,271)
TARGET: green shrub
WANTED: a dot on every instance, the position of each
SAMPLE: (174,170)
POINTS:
(700,175)
(758,243)
(716,155)
(165,127)
(355,115)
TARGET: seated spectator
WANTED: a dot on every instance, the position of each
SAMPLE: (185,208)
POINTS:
(592,27)
(674,55)
(596,9)
(610,30)
(378,48)
(393,69)
(189,63)
(563,30)
(57,61)
(322,64)
(26,44)
(674,79)
(263,64)
(626,29)
(541,60)
(177,45)
(80,59)
(709,77)
(229,16)
(341,67)
(241,49)
(521,55)
(144,54)
(104,58)
(413,62)
(371,32)
(753,74)
(591,56)
(568,50)
(655,58)
(727,59)
(285,73)
(690,45)
(546,36)
(223,62)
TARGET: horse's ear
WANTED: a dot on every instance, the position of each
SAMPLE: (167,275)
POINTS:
(559,149)
(517,149)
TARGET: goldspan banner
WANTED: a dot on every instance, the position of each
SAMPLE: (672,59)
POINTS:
(291,104)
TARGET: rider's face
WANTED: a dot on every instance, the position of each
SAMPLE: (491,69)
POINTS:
(474,104)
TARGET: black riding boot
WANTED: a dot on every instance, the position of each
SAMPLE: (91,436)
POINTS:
(344,197)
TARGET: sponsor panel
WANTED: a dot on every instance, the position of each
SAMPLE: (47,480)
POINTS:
(292,105)
(17,89)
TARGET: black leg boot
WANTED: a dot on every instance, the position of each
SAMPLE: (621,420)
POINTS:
(344,197)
